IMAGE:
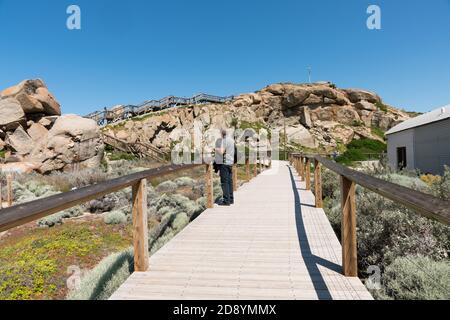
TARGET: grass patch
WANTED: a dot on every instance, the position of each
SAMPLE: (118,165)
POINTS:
(412,114)
(378,132)
(381,106)
(34,265)
(2,154)
(357,123)
(257,126)
(115,156)
(358,150)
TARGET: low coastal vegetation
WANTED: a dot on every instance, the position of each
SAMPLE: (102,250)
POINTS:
(412,252)
(361,150)
(94,237)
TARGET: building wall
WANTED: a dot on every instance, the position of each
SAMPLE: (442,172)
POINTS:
(432,147)
(397,140)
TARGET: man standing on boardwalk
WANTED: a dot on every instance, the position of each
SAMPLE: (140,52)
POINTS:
(225,159)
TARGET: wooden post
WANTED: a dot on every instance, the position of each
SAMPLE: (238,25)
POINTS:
(1,194)
(9,190)
(255,168)
(348,228)
(308,174)
(140,226)
(209,186)
(318,184)
(301,169)
(247,169)
(235,177)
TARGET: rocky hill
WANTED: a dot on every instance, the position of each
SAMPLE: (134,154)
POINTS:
(314,116)
(33,132)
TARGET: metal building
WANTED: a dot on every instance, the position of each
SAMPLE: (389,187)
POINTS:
(421,143)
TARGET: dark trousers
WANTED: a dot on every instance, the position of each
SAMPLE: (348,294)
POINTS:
(226,179)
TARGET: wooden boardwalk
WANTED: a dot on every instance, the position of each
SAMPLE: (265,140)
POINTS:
(272,244)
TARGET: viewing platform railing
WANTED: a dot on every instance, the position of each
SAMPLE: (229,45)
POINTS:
(424,204)
(28,212)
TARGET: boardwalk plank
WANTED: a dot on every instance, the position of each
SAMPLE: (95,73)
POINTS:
(272,244)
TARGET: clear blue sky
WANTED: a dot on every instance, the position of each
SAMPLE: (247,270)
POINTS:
(130,51)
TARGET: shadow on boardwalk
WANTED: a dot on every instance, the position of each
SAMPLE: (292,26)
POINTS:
(311,261)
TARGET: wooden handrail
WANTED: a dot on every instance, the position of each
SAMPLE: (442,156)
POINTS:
(424,204)
(34,210)
(31,211)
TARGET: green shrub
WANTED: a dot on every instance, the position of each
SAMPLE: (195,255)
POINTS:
(415,278)
(406,181)
(177,203)
(381,106)
(167,186)
(185,182)
(441,187)
(378,132)
(122,156)
(115,217)
(180,221)
(386,230)
(102,281)
(358,150)
(57,218)
(357,123)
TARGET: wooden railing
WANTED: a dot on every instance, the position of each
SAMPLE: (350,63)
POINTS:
(9,191)
(424,204)
(138,148)
(125,112)
(28,212)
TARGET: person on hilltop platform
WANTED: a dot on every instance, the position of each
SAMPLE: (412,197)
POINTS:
(225,157)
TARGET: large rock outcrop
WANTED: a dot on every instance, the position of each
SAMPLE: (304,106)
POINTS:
(315,115)
(33,131)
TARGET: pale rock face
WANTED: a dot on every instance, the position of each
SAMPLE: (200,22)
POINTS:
(122,135)
(34,97)
(346,115)
(306,117)
(34,132)
(19,167)
(295,98)
(20,141)
(10,111)
(162,140)
(47,122)
(75,126)
(366,105)
(313,99)
(366,117)
(317,115)
(342,134)
(72,141)
(300,135)
(275,89)
(356,95)
(37,132)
